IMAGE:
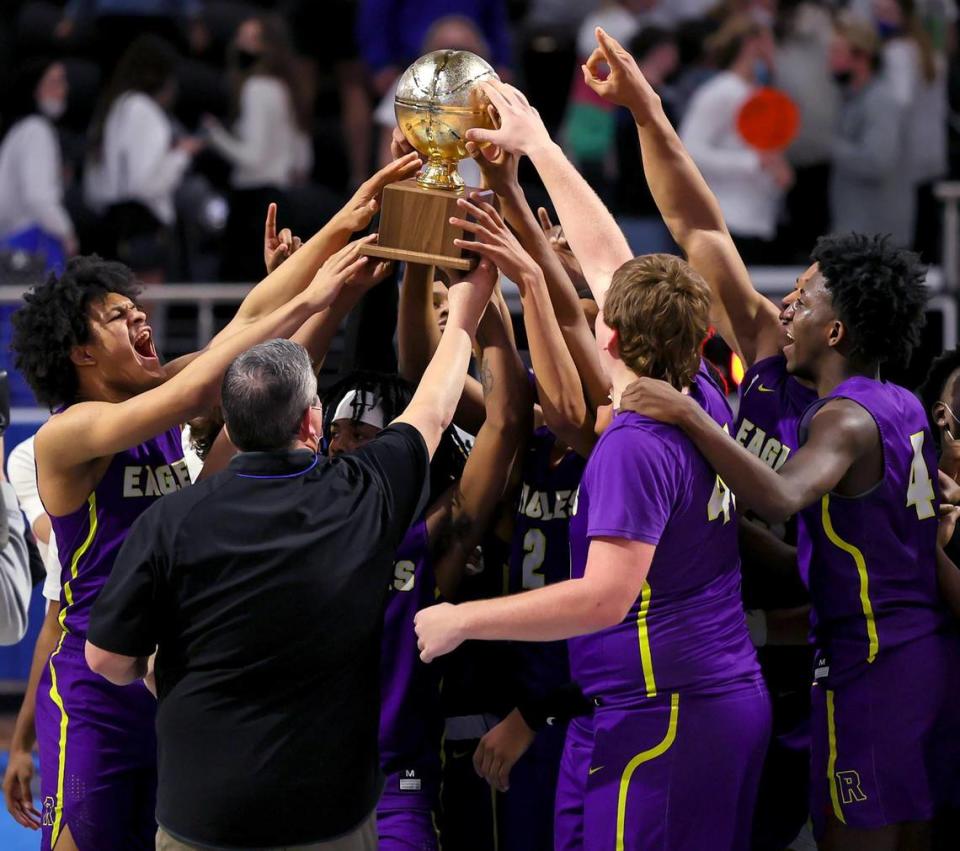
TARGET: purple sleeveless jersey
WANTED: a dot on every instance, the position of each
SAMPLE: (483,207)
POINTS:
(646,481)
(872,559)
(411,722)
(90,537)
(771,404)
(540,550)
(98,749)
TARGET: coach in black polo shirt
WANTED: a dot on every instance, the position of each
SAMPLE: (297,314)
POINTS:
(263,590)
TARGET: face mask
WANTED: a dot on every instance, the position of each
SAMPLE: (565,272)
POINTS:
(887,31)
(843,78)
(52,108)
(245,59)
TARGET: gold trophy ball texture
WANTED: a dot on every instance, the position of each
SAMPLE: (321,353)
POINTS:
(439,98)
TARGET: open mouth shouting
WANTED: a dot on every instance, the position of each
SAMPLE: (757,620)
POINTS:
(143,345)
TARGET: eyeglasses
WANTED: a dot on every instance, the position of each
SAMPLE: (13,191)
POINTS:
(316,403)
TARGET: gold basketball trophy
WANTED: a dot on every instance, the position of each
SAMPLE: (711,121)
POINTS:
(439,98)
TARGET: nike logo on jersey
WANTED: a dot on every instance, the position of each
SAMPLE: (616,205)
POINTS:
(763,389)
(595,770)
(461,754)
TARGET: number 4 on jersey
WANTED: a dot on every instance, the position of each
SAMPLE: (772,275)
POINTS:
(920,493)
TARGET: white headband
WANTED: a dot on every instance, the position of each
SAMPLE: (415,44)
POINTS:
(360,407)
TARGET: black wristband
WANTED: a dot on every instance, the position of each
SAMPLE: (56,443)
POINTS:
(555,707)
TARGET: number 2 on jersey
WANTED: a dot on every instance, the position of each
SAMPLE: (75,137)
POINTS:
(535,547)
(920,493)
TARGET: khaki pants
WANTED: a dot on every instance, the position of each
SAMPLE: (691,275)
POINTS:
(364,838)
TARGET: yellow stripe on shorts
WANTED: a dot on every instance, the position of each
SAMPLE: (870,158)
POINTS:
(62,745)
(832,759)
(640,759)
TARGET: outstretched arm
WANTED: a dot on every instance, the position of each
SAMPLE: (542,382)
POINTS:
(558,383)
(418,336)
(499,169)
(615,572)
(841,432)
(457,522)
(68,442)
(290,278)
(435,400)
(591,231)
(748,321)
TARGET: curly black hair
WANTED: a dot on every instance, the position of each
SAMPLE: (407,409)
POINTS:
(53,319)
(878,293)
(929,392)
(394,394)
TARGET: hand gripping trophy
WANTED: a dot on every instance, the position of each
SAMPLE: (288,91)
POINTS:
(439,98)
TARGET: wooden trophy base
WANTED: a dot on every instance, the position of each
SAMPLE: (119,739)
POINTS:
(415,226)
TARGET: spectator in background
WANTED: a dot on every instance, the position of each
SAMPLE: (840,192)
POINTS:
(323,34)
(15,581)
(391,33)
(870,189)
(590,123)
(749,185)
(803,73)
(136,163)
(32,215)
(269,146)
(915,73)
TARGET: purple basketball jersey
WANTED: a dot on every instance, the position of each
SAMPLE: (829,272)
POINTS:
(771,404)
(411,722)
(872,558)
(540,550)
(645,481)
(90,537)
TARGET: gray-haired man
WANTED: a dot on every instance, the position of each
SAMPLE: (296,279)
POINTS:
(262,589)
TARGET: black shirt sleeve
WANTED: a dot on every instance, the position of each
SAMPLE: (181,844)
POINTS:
(400,465)
(124,617)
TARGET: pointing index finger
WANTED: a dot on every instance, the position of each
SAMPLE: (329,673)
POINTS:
(270,228)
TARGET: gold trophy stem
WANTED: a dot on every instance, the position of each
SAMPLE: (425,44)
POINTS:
(439,173)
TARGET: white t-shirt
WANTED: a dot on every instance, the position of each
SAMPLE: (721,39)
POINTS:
(266,147)
(22,473)
(137,162)
(748,196)
(31,179)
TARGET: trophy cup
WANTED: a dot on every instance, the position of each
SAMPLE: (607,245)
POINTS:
(438,99)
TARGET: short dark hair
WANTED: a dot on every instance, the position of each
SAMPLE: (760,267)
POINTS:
(54,319)
(265,393)
(940,370)
(878,293)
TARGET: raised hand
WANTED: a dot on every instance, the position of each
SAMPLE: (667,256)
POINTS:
(498,167)
(625,84)
(558,242)
(277,247)
(399,146)
(468,297)
(359,211)
(341,267)
(521,129)
(493,240)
